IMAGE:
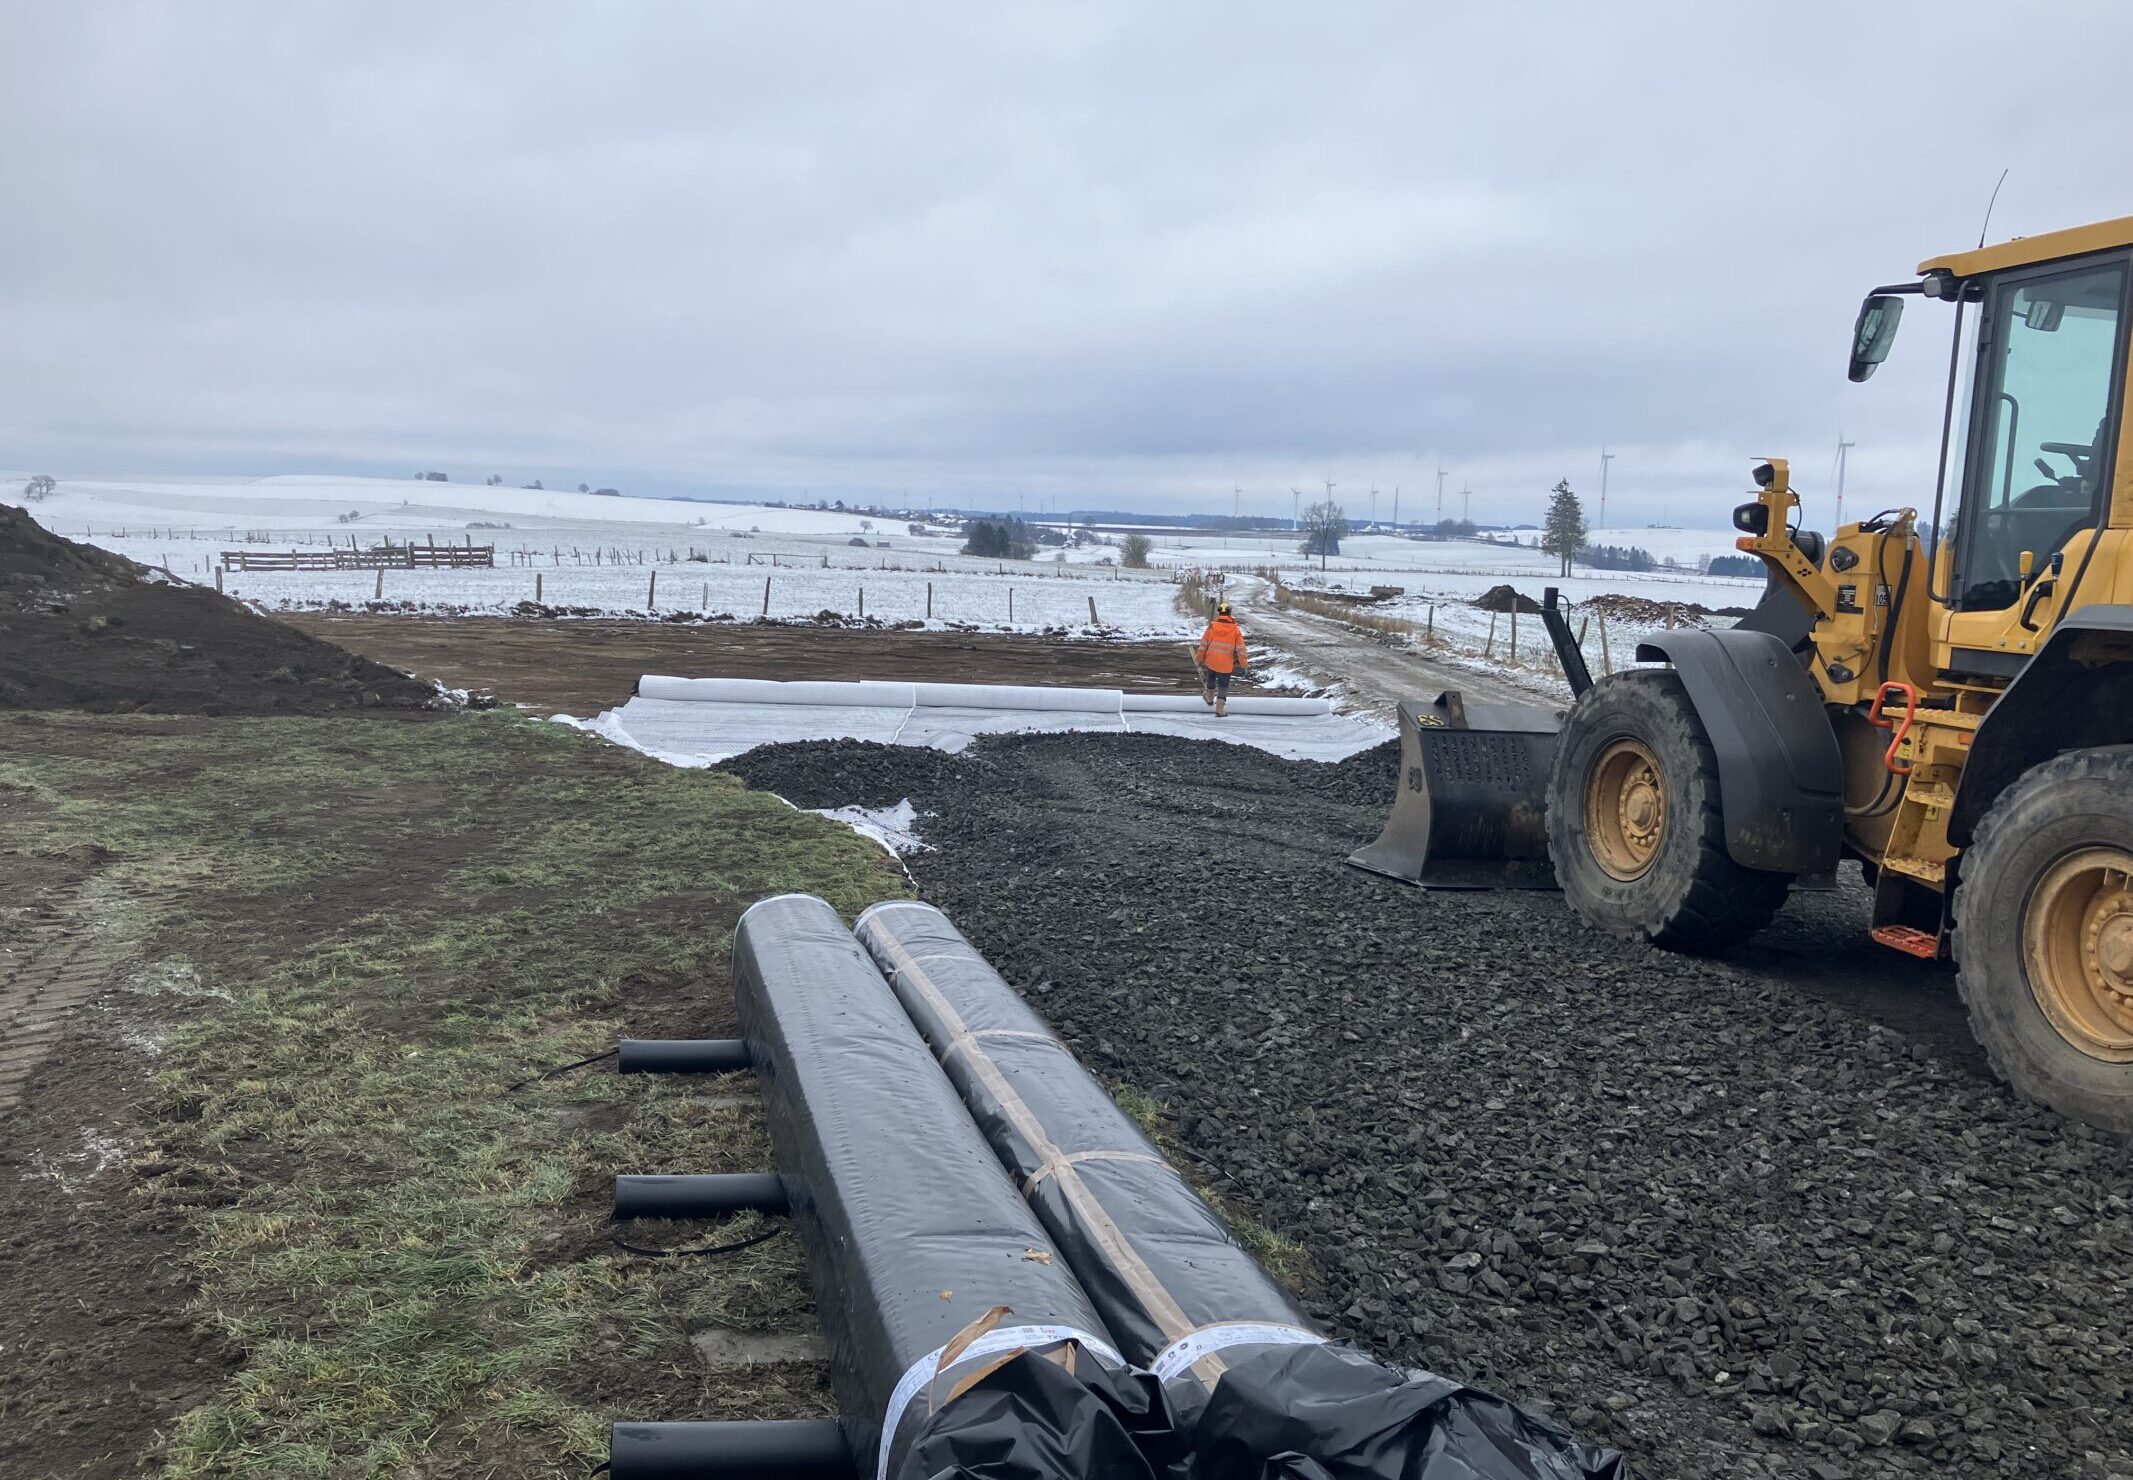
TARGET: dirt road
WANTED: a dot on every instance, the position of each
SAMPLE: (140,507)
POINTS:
(1375,675)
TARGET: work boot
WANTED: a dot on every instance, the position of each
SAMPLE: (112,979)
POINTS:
(1221,707)
(1207,696)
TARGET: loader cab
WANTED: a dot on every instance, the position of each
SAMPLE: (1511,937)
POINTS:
(2037,388)
(2050,377)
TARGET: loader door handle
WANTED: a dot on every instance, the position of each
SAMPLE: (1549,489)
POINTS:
(1880,719)
(2037,593)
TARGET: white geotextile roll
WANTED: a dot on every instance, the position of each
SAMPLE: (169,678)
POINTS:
(1238,704)
(1016,696)
(774,691)
(875,694)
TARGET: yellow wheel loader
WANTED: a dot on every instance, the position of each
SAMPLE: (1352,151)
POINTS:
(1948,702)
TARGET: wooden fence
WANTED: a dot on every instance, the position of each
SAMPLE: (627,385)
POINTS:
(382,557)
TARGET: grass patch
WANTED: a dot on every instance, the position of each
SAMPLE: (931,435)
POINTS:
(405,917)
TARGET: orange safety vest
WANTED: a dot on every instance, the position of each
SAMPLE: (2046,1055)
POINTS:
(1221,648)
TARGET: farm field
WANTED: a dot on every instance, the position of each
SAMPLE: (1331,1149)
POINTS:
(583,667)
(584,556)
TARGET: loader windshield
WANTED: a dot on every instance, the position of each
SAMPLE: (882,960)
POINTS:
(2049,367)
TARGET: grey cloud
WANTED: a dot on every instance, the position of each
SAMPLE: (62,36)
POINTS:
(1103,254)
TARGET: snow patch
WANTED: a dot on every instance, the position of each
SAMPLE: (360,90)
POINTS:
(895,828)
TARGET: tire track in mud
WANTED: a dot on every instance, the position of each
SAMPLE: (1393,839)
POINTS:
(54,966)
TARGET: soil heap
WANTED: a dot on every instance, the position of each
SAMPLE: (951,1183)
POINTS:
(1506,598)
(1644,611)
(81,628)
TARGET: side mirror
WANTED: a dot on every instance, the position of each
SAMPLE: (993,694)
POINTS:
(1874,333)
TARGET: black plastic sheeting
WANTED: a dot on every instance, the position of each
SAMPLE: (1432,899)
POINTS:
(912,1230)
(1160,1264)
(1251,1386)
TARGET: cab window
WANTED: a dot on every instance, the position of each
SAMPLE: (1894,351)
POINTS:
(2049,370)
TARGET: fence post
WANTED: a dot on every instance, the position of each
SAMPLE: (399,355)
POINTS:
(1489,649)
(1670,609)
(862,603)
(378,593)
(706,603)
(1514,628)
(1607,662)
(1431,634)
(1093,621)
(1010,603)
(536,588)
(766,596)
(929,601)
(218,580)
(651,593)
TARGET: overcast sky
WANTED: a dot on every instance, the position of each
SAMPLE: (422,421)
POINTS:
(1121,255)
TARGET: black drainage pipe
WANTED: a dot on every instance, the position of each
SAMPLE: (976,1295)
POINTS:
(782,1449)
(916,1240)
(681,1056)
(700,1195)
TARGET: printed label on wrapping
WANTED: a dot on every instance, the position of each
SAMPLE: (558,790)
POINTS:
(1181,1354)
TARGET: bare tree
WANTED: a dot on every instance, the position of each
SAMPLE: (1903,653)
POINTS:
(39,488)
(1324,525)
(1134,552)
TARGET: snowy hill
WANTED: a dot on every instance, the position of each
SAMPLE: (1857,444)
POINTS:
(302,501)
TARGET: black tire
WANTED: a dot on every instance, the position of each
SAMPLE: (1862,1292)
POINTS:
(1692,896)
(2080,800)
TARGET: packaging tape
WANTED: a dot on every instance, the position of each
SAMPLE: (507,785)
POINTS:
(992,1343)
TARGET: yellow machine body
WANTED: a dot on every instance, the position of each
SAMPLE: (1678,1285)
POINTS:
(1886,626)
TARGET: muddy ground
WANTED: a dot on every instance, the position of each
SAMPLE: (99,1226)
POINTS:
(81,628)
(584,666)
(1734,1222)
(269,1203)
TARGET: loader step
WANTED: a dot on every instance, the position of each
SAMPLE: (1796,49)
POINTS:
(1919,943)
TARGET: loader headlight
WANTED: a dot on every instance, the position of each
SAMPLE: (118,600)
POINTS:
(1752,518)
(1765,475)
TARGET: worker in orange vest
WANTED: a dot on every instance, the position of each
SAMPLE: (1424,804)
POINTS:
(1220,653)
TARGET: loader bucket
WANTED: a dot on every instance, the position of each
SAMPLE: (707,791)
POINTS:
(1473,796)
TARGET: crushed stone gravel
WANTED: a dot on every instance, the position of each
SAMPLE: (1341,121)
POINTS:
(1732,1227)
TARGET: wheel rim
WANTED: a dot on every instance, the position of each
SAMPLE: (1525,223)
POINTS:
(1625,809)
(2077,946)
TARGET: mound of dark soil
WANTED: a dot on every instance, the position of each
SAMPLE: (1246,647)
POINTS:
(1762,1217)
(81,628)
(1647,612)
(1505,598)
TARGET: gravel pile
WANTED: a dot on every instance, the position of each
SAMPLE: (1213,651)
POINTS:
(1729,1226)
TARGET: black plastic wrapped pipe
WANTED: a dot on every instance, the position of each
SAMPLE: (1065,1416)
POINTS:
(1158,1261)
(912,1230)
(1186,1300)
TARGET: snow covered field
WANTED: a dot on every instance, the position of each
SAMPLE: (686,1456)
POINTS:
(594,554)
(600,554)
